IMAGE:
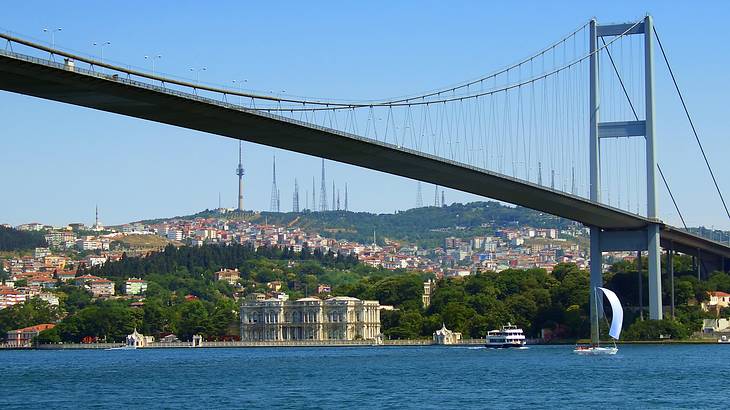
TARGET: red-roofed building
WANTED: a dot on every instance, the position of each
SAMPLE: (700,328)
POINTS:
(82,280)
(10,297)
(134,286)
(101,287)
(23,337)
(718,300)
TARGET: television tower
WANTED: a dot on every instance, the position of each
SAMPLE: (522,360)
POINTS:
(346,205)
(314,202)
(436,196)
(274,191)
(323,192)
(333,195)
(443,198)
(239,172)
(295,199)
(419,196)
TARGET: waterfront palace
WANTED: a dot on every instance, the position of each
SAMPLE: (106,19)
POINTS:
(337,318)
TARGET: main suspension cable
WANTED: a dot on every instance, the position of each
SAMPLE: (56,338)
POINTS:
(636,116)
(691,123)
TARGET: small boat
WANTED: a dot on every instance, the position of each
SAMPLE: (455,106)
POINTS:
(616,322)
(126,347)
(506,337)
(723,339)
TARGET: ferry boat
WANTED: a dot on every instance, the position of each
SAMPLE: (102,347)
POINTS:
(508,336)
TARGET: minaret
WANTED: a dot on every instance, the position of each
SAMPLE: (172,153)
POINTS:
(239,172)
(274,206)
(97,226)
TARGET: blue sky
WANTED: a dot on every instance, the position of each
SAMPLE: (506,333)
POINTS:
(59,161)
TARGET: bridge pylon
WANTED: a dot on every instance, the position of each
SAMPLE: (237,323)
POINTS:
(646,239)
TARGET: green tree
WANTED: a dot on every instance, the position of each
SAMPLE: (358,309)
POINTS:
(33,312)
(193,320)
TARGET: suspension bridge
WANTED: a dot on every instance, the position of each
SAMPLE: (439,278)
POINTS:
(568,131)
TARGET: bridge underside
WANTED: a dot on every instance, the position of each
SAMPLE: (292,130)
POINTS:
(129,98)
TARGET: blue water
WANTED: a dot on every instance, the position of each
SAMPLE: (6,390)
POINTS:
(676,376)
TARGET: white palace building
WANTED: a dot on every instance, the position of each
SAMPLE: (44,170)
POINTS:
(337,318)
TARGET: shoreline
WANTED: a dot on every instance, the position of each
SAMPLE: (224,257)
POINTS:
(321,344)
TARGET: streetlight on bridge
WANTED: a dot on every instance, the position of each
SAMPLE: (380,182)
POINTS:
(197,73)
(53,35)
(240,86)
(101,46)
(152,58)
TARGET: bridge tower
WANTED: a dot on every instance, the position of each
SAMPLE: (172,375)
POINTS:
(646,239)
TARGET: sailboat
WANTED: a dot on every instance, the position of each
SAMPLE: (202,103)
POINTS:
(615,330)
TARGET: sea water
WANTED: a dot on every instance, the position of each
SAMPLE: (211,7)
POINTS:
(639,376)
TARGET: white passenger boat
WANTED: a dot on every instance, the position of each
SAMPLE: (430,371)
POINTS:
(615,330)
(506,337)
(125,347)
(723,339)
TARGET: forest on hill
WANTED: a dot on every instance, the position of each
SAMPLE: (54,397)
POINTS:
(14,240)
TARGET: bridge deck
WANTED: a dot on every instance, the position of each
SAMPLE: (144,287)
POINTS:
(53,81)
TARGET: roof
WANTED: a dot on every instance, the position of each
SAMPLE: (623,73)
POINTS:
(343,299)
(36,328)
(719,294)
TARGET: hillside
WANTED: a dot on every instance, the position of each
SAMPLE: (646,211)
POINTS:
(426,226)
(15,240)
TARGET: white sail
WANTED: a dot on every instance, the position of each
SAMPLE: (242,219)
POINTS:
(618,313)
